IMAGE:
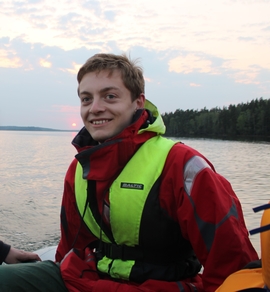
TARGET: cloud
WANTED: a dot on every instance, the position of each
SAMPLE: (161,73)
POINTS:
(147,79)
(8,59)
(45,63)
(194,85)
(241,72)
(212,44)
(267,28)
(74,70)
(191,63)
(247,39)
(92,24)
(246,77)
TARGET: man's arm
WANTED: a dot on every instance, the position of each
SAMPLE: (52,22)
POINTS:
(11,255)
(4,250)
(209,214)
(18,256)
(216,229)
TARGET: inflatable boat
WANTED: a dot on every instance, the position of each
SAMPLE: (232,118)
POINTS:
(47,253)
(255,279)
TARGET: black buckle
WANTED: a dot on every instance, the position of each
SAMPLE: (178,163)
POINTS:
(123,252)
(117,252)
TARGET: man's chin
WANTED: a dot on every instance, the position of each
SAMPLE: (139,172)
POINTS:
(100,138)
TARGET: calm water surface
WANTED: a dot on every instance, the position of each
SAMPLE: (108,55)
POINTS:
(33,166)
(32,170)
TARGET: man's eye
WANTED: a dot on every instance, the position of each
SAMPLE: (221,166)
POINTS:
(110,96)
(85,99)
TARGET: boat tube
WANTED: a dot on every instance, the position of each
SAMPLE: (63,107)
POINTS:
(47,253)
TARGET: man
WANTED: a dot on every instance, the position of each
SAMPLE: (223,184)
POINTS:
(141,212)
(11,255)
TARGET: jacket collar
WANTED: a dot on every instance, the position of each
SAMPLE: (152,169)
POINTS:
(144,120)
(105,161)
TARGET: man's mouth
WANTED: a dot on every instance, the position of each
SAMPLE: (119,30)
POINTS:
(99,122)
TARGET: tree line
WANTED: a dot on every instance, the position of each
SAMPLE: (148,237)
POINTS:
(245,121)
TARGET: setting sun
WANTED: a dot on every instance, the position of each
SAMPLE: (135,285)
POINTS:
(74,125)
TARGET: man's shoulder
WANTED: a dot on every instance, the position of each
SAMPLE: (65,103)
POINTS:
(179,148)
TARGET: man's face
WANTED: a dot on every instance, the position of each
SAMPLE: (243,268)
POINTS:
(106,104)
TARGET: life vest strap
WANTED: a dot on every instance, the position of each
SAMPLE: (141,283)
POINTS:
(158,264)
(123,252)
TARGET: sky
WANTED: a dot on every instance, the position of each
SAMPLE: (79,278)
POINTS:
(194,53)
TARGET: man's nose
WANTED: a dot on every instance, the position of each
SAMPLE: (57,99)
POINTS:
(96,106)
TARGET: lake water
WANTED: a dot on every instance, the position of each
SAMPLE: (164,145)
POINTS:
(33,166)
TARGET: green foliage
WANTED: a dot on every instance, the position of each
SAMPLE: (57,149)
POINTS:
(249,121)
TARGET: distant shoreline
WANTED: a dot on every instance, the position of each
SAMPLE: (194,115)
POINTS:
(216,137)
(37,129)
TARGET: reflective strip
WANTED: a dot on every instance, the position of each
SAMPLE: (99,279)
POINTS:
(192,168)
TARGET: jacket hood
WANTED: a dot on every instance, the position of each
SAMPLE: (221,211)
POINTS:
(158,125)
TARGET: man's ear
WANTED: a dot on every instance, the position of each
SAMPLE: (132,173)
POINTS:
(140,101)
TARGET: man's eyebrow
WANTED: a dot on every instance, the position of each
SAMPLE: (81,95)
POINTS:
(84,92)
(105,89)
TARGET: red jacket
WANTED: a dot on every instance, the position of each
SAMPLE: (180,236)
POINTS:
(208,212)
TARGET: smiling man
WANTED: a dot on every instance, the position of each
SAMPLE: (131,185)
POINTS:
(139,212)
(107,107)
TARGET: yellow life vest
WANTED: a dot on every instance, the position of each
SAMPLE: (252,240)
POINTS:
(128,195)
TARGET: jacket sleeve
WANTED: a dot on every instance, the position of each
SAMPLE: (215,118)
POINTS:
(4,250)
(74,233)
(210,217)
